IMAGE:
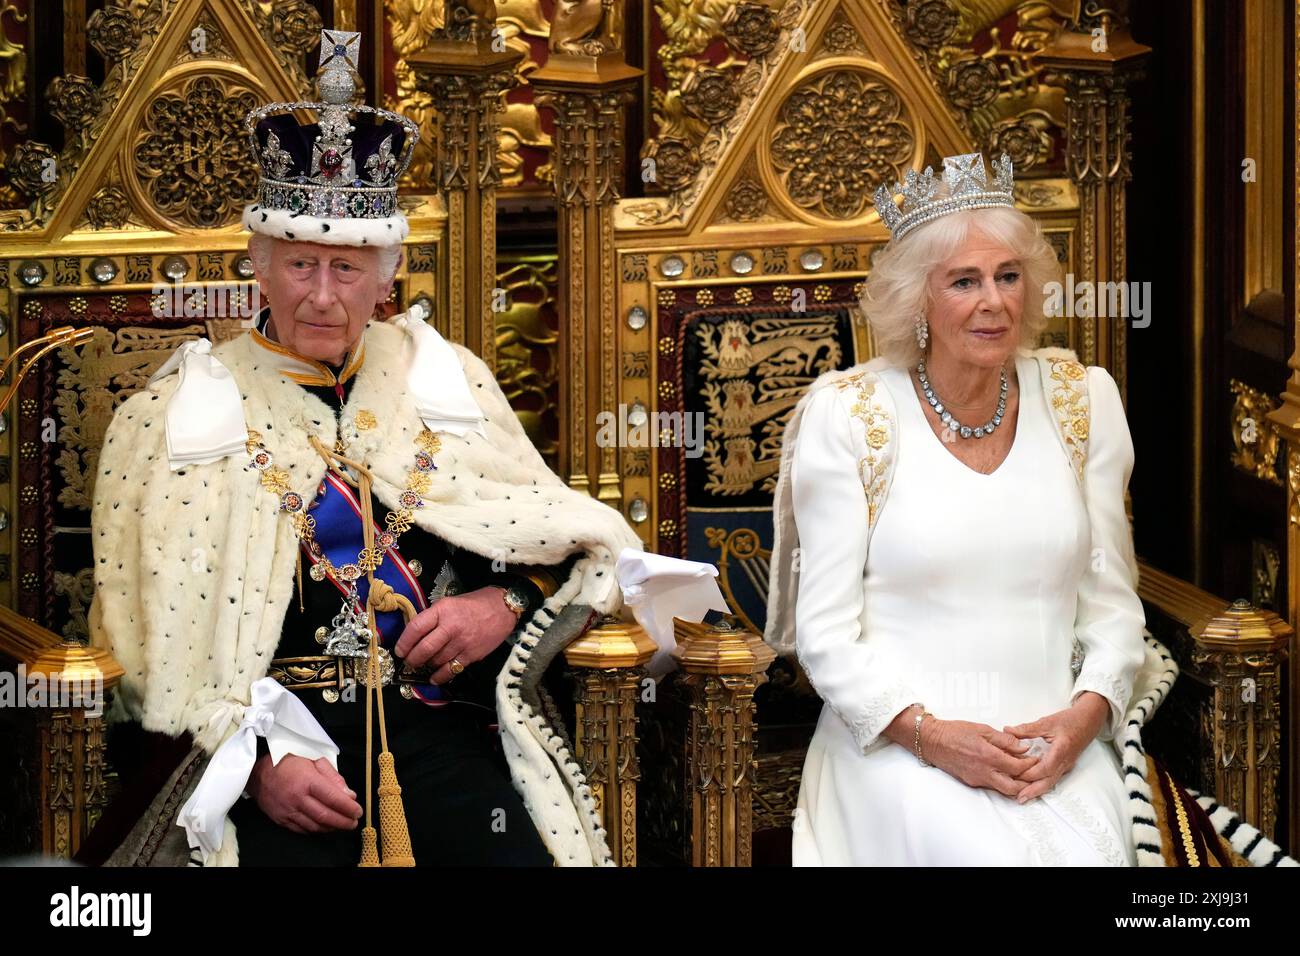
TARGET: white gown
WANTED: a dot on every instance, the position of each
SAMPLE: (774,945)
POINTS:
(968,601)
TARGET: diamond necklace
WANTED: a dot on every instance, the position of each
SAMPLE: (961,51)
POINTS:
(966,431)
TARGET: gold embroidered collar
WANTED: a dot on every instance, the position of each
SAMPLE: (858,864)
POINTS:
(308,371)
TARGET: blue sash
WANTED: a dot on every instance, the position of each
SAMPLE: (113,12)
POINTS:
(339,533)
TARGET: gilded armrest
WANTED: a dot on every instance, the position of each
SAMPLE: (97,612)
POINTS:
(65,684)
(1222,724)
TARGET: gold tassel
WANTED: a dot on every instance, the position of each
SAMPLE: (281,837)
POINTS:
(396,836)
(301,609)
(392,816)
(369,854)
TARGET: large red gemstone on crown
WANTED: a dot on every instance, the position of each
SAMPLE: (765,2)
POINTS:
(330,163)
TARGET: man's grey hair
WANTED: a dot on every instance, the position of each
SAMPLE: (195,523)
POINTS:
(260,246)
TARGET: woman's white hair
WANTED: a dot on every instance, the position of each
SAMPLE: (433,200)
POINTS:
(260,246)
(897,289)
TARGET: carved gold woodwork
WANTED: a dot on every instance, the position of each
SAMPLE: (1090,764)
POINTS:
(1265,563)
(13,84)
(740,556)
(191,166)
(610,662)
(345,15)
(587,28)
(1000,97)
(528,347)
(1242,649)
(1254,439)
(721,667)
(1237,652)
(465,75)
(777,777)
(587,94)
(845,53)
(411,23)
(71,789)
(839,136)
(1097,159)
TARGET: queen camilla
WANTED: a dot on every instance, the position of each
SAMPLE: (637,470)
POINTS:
(976,635)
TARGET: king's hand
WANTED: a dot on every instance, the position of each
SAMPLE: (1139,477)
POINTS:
(461,628)
(305,796)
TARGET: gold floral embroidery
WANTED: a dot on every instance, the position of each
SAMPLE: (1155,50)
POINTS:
(1070,404)
(873,467)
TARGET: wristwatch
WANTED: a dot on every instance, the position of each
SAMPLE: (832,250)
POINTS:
(516,600)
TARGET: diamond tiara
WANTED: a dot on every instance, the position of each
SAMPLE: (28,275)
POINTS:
(968,188)
(342,167)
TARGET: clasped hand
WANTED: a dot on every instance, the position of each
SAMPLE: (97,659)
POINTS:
(980,756)
(463,627)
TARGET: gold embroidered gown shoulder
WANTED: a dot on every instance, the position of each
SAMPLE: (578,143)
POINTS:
(968,600)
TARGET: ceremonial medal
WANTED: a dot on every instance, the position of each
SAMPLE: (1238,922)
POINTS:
(350,632)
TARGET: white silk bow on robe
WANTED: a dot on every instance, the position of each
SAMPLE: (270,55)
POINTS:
(205,415)
(289,728)
(436,380)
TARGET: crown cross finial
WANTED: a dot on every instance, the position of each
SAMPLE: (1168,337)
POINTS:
(339,50)
(964,173)
(967,188)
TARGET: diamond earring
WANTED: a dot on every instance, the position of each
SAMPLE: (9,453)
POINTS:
(922,331)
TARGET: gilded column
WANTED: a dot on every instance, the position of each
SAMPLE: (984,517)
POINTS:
(722,666)
(71,789)
(1240,653)
(466,68)
(610,661)
(587,83)
(1096,64)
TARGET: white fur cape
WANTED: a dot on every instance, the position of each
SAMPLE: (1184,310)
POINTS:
(194,569)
